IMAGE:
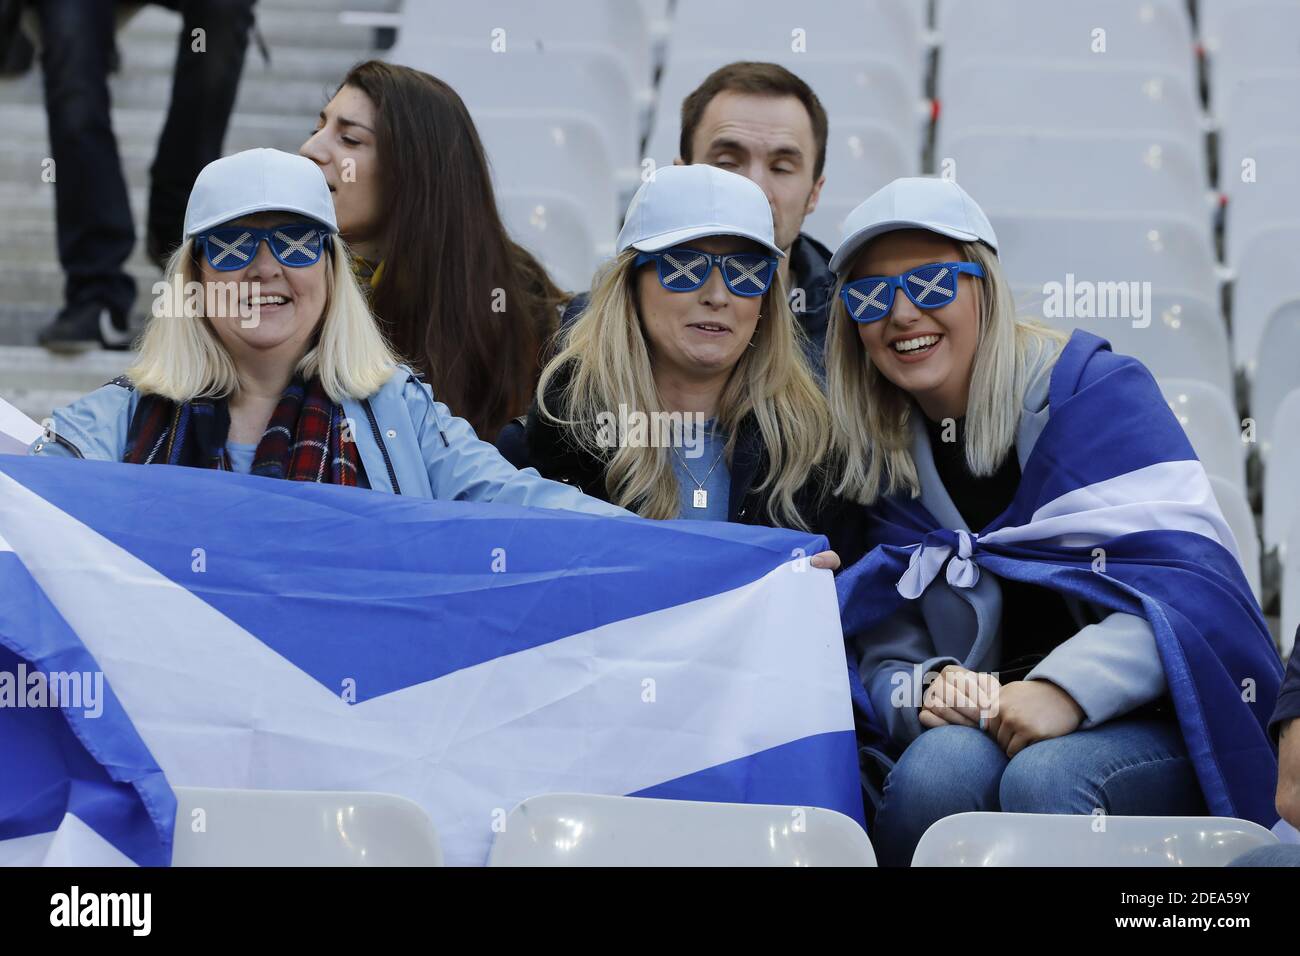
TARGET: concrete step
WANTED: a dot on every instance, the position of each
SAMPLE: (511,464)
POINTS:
(158,58)
(36,381)
(299,98)
(28,285)
(22,159)
(300,24)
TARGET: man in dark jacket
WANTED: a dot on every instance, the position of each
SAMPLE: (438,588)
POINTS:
(763,122)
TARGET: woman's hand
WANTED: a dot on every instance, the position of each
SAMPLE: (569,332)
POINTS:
(826,559)
(958,696)
(1032,710)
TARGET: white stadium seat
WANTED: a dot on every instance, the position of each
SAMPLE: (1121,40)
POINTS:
(826,224)
(1185,340)
(857,88)
(613,29)
(1280,471)
(1253,108)
(1172,254)
(1277,372)
(767,30)
(1078,172)
(1236,511)
(1211,425)
(1271,199)
(1290,592)
(566,156)
(553,228)
(555,85)
(1150,33)
(1065,98)
(1057,839)
(301,828)
(861,156)
(1266,277)
(1246,36)
(576,829)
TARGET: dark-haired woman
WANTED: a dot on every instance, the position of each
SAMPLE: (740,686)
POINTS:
(413,194)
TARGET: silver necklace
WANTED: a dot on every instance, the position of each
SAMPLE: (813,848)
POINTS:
(700,497)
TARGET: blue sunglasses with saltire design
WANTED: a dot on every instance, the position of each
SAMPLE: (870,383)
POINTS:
(928,287)
(294,244)
(685,270)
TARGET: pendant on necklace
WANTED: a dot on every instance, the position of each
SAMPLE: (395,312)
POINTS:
(700,499)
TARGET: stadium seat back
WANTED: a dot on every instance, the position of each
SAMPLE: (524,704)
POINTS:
(553,227)
(1032,97)
(1082,173)
(301,828)
(1180,337)
(1208,418)
(554,154)
(1266,279)
(1052,839)
(1280,471)
(1101,34)
(1236,511)
(770,30)
(1275,374)
(1290,590)
(1172,254)
(858,88)
(1256,35)
(1270,198)
(1252,108)
(571,829)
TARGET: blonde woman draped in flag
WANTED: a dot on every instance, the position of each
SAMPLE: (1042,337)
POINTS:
(1052,616)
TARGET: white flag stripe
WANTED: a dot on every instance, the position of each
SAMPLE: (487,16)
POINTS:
(753,668)
(72,844)
(1167,496)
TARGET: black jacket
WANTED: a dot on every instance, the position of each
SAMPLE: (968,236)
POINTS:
(530,441)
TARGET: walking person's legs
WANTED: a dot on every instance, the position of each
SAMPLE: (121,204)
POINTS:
(205,82)
(93,213)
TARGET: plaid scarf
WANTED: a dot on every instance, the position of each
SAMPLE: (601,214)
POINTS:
(303,441)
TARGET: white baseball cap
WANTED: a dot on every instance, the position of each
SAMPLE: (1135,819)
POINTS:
(258,180)
(680,203)
(914,202)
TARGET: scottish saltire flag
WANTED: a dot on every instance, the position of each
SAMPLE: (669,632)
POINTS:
(1113,471)
(254,633)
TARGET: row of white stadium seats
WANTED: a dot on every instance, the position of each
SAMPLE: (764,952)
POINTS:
(333,828)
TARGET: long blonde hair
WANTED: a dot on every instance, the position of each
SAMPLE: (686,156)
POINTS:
(871,416)
(181,357)
(606,359)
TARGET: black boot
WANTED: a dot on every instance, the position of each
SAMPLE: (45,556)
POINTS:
(85,326)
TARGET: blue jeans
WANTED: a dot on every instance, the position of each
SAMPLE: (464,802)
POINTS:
(1284,854)
(1124,767)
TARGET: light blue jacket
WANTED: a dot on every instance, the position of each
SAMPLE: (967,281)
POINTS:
(1110,666)
(409,443)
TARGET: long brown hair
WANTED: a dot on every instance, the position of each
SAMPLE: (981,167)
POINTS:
(457,297)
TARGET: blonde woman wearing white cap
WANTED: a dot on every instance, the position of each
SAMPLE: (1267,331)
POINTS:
(262,357)
(690,321)
(1002,666)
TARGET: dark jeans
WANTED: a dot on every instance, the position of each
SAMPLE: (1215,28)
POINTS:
(93,213)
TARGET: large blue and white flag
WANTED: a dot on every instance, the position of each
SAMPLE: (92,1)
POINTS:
(1112,477)
(262,634)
